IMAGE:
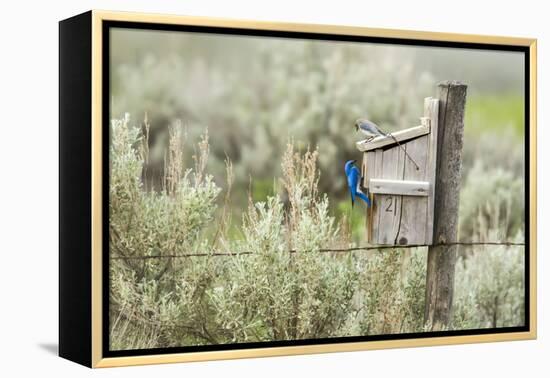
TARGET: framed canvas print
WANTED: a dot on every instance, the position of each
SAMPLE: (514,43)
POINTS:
(235,189)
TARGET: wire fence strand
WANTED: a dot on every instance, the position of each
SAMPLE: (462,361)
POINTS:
(324,250)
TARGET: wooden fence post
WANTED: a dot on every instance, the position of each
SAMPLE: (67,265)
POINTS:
(442,258)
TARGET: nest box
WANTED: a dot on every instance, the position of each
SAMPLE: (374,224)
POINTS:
(399,175)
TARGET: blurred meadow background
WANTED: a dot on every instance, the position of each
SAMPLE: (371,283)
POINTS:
(226,144)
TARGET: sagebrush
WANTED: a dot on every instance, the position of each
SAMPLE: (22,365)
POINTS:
(266,276)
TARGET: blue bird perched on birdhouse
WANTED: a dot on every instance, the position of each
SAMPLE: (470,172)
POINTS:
(353,176)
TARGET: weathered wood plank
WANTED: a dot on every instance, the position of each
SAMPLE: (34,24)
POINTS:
(431,113)
(442,258)
(414,209)
(389,211)
(401,163)
(377,172)
(399,187)
(364,182)
(369,171)
(364,167)
(385,141)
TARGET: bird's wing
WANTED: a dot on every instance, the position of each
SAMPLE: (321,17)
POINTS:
(370,127)
(353,179)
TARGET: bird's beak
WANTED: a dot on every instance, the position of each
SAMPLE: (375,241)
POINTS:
(356,127)
(354,161)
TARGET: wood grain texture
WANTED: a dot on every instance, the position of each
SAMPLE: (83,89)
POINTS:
(364,184)
(364,169)
(402,195)
(431,115)
(389,209)
(370,159)
(378,160)
(442,259)
(399,187)
(414,215)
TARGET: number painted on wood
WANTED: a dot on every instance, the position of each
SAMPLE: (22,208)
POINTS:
(391,201)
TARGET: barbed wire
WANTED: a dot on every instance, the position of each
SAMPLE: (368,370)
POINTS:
(323,250)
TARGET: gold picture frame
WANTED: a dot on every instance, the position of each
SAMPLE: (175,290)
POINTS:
(90,329)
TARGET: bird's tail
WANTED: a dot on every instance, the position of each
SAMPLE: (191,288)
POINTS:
(364,198)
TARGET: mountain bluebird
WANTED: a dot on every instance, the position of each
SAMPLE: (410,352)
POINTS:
(368,128)
(353,176)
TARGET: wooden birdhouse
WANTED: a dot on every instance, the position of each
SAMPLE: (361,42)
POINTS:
(399,175)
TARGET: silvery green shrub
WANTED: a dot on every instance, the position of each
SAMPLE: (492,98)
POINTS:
(270,277)
(490,280)
(287,289)
(489,288)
